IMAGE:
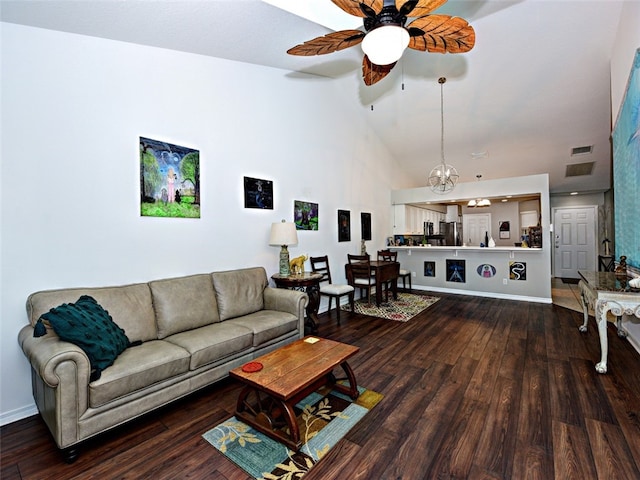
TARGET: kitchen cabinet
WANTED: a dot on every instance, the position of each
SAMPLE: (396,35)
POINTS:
(408,219)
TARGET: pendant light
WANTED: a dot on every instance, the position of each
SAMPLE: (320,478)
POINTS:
(443,177)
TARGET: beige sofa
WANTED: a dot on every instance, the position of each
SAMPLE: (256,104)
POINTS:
(193,330)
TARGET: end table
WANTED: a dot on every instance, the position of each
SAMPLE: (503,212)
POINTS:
(308,282)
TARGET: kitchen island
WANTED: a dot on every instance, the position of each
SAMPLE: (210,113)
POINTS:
(502,272)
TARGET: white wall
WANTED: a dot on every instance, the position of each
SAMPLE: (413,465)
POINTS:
(73,109)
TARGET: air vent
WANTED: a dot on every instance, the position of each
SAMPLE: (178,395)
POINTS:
(579,169)
(581,150)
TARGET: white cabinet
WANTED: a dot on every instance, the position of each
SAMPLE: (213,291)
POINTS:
(408,219)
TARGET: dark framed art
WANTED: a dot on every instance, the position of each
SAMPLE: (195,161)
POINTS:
(429,269)
(258,193)
(305,215)
(456,271)
(365,224)
(169,180)
(344,226)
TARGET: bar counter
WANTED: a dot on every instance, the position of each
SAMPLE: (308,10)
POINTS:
(517,273)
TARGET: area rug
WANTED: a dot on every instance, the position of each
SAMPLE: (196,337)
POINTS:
(407,306)
(324,418)
(571,281)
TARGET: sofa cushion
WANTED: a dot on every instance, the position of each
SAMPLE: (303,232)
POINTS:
(213,343)
(89,326)
(183,303)
(267,325)
(239,292)
(130,306)
(137,368)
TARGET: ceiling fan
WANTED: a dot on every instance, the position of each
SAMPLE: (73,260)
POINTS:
(386,35)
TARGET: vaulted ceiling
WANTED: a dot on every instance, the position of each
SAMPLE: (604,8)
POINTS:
(535,86)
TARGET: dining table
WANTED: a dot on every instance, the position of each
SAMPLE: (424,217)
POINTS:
(384,272)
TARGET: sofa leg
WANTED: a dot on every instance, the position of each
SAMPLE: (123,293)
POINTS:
(70,454)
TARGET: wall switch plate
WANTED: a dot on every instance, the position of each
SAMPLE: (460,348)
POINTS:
(413,274)
(505,281)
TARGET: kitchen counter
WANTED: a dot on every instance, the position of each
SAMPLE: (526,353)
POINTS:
(517,273)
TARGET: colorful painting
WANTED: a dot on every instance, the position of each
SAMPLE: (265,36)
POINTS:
(258,193)
(429,269)
(305,215)
(365,222)
(626,170)
(169,180)
(486,271)
(456,271)
(344,226)
(517,271)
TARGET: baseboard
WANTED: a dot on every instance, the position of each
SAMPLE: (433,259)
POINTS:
(18,414)
(504,296)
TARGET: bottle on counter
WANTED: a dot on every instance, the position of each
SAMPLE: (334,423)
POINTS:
(486,239)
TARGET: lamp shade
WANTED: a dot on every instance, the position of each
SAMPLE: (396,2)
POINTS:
(283,233)
(384,45)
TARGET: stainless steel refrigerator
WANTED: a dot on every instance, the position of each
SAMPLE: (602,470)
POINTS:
(452,232)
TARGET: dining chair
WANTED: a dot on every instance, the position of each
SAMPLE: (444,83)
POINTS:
(389,256)
(360,275)
(357,258)
(328,288)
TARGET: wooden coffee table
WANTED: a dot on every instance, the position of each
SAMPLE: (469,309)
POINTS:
(288,375)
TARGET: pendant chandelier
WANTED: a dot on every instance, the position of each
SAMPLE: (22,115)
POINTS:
(443,177)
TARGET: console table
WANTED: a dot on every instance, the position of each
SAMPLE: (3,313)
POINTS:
(604,292)
(308,282)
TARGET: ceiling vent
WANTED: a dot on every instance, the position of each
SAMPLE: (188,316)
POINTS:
(581,150)
(578,169)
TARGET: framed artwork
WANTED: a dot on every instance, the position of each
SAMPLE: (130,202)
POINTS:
(486,270)
(169,180)
(429,269)
(365,223)
(456,271)
(505,229)
(344,226)
(517,270)
(626,170)
(258,193)
(305,215)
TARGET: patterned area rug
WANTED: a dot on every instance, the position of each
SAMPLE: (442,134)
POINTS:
(324,417)
(403,309)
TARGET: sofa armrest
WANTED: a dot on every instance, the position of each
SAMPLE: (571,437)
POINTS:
(60,376)
(290,301)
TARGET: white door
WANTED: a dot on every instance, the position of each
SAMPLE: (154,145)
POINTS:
(474,227)
(575,241)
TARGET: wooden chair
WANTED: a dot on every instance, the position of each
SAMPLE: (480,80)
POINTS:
(330,289)
(389,256)
(359,274)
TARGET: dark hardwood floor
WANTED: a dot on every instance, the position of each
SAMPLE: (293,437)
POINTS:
(474,388)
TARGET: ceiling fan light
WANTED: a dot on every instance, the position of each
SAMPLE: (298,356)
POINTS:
(385,45)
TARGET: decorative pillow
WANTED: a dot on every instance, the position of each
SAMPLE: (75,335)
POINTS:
(90,327)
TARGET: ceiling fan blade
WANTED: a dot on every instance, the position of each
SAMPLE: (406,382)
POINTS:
(352,7)
(423,7)
(329,43)
(372,73)
(441,34)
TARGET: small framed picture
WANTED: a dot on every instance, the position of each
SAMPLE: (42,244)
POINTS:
(305,215)
(344,226)
(429,269)
(505,229)
(456,271)
(365,221)
(258,193)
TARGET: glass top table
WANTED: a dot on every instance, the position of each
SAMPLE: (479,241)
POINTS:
(607,292)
